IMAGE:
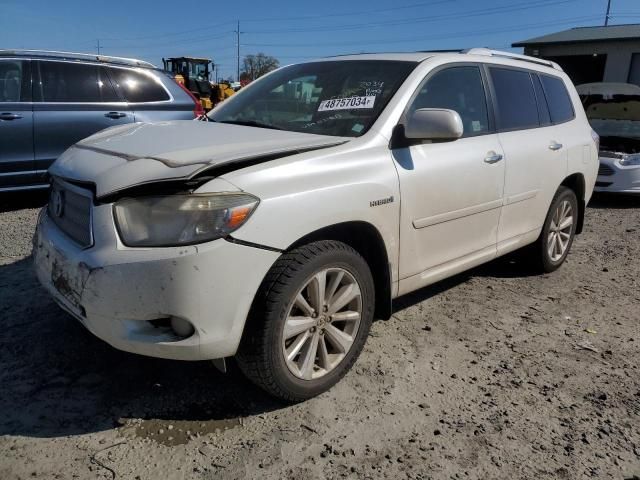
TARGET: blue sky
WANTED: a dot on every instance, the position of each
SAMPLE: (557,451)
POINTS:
(291,31)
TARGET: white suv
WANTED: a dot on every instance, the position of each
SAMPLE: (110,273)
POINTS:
(279,228)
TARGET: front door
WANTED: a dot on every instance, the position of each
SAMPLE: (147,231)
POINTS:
(452,191)
(16,124)
(72,102)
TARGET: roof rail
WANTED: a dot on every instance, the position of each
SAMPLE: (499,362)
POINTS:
(77,56)
(515,56)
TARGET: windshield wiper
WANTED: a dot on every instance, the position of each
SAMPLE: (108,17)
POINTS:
(249,123)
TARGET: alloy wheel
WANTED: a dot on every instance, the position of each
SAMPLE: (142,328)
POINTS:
(560,231)
(322,323)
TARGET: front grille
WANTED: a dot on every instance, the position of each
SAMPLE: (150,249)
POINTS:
(70,209)
(605,170)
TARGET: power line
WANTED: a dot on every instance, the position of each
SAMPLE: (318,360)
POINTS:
(465,33)
(171,34)
(165,44)
(343,14)
(432,18)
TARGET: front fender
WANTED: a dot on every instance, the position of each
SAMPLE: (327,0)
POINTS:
(308,192)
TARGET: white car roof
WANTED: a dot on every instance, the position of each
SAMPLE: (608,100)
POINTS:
(473,54)
(411,57)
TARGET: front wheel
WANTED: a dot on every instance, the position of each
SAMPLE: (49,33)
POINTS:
(309,322)
(558,231)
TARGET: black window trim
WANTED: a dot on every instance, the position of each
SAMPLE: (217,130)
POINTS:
(30,72)
(488,95)
(35,78)
(530,72)
(140,71)
(541,103)
(487,66)
(573,110)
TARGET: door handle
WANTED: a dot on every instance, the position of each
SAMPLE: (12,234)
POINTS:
(10,116)
(115,115)
(492,157)
(555,145)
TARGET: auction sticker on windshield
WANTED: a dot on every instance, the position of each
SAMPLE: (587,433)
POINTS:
(347,103)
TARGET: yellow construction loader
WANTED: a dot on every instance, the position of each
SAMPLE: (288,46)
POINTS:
(194,74)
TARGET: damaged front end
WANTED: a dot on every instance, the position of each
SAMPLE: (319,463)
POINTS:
(175,156)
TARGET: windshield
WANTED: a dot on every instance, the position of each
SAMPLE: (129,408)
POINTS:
(339,98)
(616,118)
(199,71)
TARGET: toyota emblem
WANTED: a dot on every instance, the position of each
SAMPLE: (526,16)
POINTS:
(57,203)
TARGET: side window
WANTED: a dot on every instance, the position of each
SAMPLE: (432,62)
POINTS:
(543,108)
(15,81)
(459,89)
(515,99)
(137,87)
(73,83)
(560,105)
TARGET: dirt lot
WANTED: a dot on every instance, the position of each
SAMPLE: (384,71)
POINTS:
(493,374)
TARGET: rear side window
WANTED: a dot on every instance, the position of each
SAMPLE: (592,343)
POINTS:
(459,89)
(15,81)
(560,106)
(543,108)
(73,83)
(137,87)
(515,99)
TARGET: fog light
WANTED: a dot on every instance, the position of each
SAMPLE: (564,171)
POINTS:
(181,327)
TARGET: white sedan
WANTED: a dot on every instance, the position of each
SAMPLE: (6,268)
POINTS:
(613,110)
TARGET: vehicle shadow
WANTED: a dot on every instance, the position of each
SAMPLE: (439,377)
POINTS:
(10,201)
(57,379)
(513,265)
(614,200)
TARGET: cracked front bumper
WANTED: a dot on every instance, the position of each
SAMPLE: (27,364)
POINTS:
(116,291)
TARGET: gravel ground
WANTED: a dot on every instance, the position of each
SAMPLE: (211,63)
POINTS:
(496,373)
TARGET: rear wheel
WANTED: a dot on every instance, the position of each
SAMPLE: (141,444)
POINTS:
(558,231)
(310,321)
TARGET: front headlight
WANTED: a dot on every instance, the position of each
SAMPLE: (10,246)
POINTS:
(630,159)
(163,221)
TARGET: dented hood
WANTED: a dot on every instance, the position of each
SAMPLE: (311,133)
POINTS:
(125,156)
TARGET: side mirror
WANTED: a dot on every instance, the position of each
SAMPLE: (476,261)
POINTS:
(434,124)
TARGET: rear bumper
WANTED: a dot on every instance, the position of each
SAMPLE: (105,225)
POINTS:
(116,291)
(618,178)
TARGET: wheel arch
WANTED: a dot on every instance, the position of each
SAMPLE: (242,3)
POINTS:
(576,182)
(368,242)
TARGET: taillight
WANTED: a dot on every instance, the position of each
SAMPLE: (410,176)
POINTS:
(198,111)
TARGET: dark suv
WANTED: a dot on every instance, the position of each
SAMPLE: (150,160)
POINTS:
(51,100)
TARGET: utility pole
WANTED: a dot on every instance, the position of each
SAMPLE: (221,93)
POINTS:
(238,52)
(607,16)
(98,46)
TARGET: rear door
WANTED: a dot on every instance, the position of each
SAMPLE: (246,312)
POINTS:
(16,124)
(148,98)
(72,100)
(536,162)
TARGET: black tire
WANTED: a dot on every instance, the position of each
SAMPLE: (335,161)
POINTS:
(260,355)
(542,258)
